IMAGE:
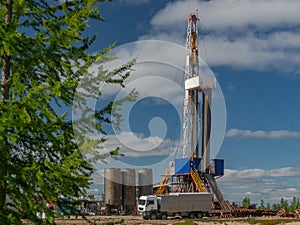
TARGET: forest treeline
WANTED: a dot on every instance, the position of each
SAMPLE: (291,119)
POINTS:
(282,204)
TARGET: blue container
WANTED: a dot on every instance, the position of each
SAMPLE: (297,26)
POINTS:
(219,167)
(196,163)
(183,165)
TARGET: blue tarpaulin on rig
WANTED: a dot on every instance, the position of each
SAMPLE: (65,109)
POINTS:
(183,165)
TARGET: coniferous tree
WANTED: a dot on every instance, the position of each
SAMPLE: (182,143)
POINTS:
(294,204)
(262,205)
(268,207)
(44,54)
(284,204)
(246,202)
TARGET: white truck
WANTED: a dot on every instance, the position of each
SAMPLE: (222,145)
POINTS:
(175,204)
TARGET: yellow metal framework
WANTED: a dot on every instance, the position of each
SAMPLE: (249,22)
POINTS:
(197,180)
(165,180)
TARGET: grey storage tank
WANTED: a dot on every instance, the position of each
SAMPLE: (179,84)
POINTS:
(113,187)
(145,182)
(128,190)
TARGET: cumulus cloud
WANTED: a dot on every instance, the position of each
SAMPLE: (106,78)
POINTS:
(260,34)
(251,51)
(150,63)
(284,172)
(244,174)
(258,184)
(261,173)
(274,134)
(97,177)
(228,14)
(136,145)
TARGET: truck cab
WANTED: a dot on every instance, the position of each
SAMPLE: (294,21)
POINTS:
(147,205)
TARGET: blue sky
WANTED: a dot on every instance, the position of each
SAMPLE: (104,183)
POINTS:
(252,47)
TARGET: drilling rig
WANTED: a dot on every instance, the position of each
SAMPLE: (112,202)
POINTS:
(196,172)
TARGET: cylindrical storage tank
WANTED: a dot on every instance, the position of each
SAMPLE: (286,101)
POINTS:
(113,187)
(145,182)
(128,190)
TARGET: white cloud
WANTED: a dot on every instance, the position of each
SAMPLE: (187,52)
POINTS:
(274,134)
(136,145)
(97,177)
(269,185)
(260,34)
(250,51)
(228,14)
(244,174)
(260,173)
(284,172)
(160,59)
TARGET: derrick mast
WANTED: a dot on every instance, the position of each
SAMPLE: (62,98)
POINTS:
(196,172)
(191,96)
(196,83)
(192,62)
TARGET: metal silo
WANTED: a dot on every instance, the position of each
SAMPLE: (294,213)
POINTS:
(145,182)
(113,187)
(128,189)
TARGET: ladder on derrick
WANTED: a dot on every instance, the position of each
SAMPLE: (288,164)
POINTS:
(162,187)
(216,191)
(197,180)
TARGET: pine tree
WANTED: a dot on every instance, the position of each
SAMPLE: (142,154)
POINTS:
(44,55)
(246,202)
(294,204)
(283,204)
(261,206)
(276,207)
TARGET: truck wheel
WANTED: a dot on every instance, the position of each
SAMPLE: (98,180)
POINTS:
(191,215)
(145,218)
(163,216)
(199,215)
(153,216)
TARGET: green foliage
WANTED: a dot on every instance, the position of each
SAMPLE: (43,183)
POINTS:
(271,221)
(44,50)
(265,222)
(294,204)
(120,222)
(284,204)
(262,205)
(276,207)
(102,202)
(187,222)
(246,202)
(253,221)
(281,205)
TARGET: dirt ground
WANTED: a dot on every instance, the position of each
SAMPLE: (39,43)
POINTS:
(135,220)
(117,220)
